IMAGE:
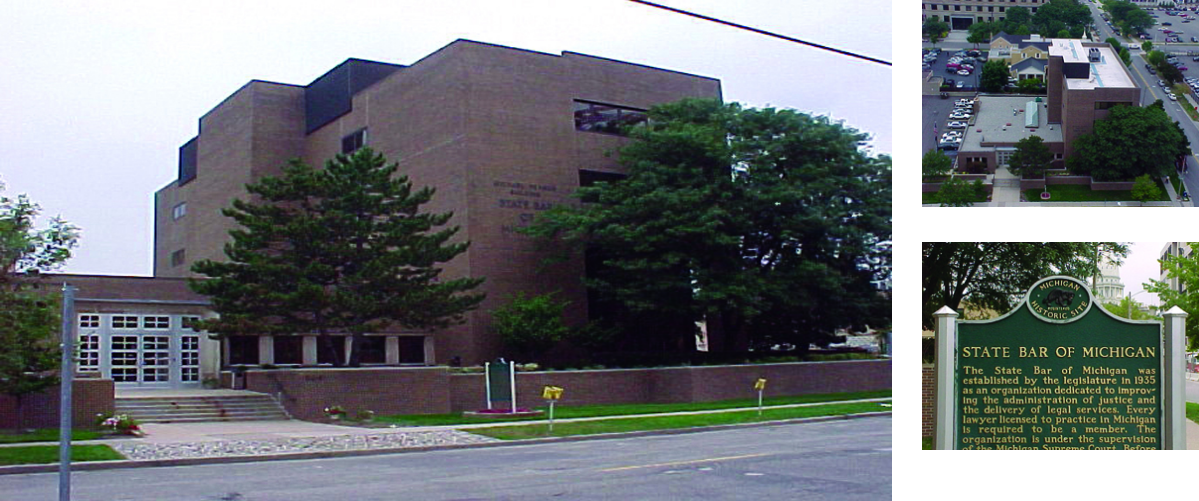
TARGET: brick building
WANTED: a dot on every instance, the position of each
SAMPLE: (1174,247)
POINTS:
(1084,80)
(501,133)
(960,14)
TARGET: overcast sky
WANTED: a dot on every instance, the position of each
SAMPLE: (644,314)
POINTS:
(98,96)
(1139,268)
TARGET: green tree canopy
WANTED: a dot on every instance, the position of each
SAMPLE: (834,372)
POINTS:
(983,32)
(934,28)
(29,313)
(529,326)
(1146,190)
(1017,17)
(1131,141)
(766,224)
(343,250)
(955,192)
(1031,86)
(936,163)
(994,275)
(1185,270)
(1128,306)
(995,75)
(1031,158)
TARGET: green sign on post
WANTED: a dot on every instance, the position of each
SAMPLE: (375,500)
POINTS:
(1056,373)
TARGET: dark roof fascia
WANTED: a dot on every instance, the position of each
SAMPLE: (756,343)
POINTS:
(641,65)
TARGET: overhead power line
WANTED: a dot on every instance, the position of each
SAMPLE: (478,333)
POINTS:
(763,32)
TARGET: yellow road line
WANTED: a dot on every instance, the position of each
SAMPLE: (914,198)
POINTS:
(685,462)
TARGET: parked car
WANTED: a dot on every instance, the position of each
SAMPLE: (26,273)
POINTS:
(959,116)
(1167,23)
(1171,96)
(956,125)
(1150,69)
(949,82)
(1181,67)
(961,84)
(964,72)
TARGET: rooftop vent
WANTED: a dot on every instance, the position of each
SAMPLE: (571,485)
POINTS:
(1093,55)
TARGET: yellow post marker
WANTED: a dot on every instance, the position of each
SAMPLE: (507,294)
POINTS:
(551,394)
(760,385)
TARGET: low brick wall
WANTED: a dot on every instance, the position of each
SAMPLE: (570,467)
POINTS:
(434,390)
(1112,185)
(40,410)
(928,406)
(393,390)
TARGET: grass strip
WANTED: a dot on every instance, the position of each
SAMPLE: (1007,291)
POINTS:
(42,454)
(46,435)
(1083,193)
(674,422)
(926,444)
(1193,411)
(564,412)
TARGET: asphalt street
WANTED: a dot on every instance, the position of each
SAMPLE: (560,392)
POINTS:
(843,460)
(1153,92)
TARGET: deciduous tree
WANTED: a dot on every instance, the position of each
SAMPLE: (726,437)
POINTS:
(1131,141)
(344,250)
(995,75)
(1031,158)
(936,163)
(766,224)
(994,275)
(29,313)
(1184,270)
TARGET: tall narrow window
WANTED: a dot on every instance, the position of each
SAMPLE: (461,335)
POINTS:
(177,258)
(179,211)
(352,142)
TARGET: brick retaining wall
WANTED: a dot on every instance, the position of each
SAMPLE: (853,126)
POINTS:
(928,406)
(40,410)
(434,390)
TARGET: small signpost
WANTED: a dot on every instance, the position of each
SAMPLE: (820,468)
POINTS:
(760,385)
(501,383)
(551,394)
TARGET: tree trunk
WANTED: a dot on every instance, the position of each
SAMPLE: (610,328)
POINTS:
(354,357)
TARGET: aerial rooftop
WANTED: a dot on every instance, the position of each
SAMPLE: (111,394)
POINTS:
(1000,121)
(1108,71)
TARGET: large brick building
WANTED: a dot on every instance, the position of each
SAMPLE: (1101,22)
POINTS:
(960,14)
(501,133)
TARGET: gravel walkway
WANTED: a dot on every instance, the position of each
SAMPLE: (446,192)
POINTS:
(144,451)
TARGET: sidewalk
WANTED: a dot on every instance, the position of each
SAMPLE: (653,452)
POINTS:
(250,441)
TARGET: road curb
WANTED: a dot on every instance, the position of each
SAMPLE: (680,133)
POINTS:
(125,464)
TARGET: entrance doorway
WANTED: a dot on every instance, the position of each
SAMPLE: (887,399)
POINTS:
(140,351)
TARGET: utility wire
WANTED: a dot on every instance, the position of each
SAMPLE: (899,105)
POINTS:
(762,32)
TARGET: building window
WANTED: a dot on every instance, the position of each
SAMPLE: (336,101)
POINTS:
(179,211)
(177,258)
(89,352)
(89,321)
(243,350)
(606,118)
(156,322)
(412,349)
(289,350)
(124,322)
(352,142)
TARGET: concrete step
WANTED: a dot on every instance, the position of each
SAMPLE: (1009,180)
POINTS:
(200,408)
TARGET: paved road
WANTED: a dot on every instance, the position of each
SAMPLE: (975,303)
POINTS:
(843,460)
(1153,92)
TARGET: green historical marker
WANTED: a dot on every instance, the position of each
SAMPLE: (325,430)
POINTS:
(1055,373)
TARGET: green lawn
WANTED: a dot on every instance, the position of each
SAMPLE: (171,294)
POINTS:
(674,422)
(563,412)
(927,444)
(41,454)
(1083,193)
(45,435)
(932,198)
(1193,411)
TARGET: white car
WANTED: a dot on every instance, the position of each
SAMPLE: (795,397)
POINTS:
(964,72)
(959,116)
(956,125)
(1171,96)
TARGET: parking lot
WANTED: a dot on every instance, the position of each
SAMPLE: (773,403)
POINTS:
(1186,31)
(936,111)
(938,69)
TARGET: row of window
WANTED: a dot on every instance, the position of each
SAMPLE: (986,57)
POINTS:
(289,350)
(89,321)
(1038,2)
(606,118)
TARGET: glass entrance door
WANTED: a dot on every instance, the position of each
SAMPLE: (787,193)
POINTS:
(141,359)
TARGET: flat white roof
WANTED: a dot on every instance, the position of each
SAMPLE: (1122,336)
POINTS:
(1107,72)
